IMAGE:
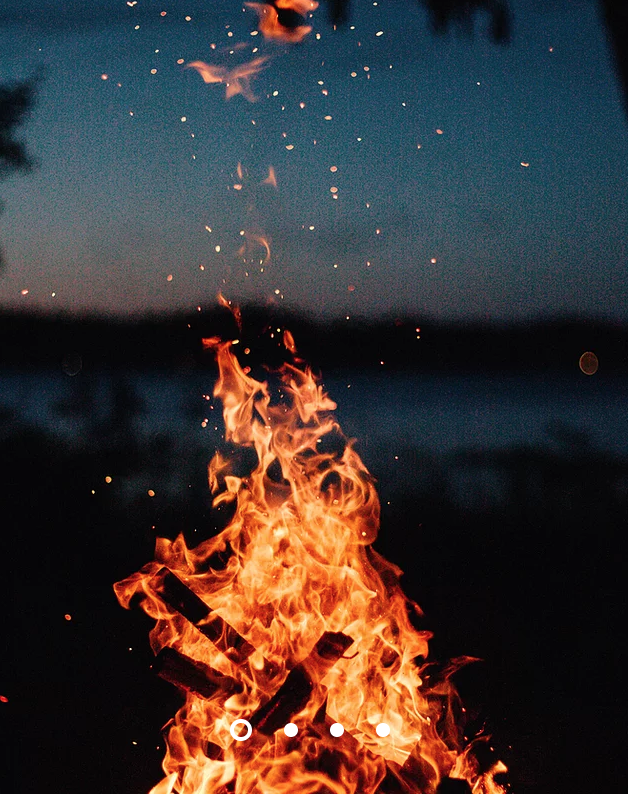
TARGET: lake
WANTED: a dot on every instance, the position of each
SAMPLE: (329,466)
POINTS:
(439,413)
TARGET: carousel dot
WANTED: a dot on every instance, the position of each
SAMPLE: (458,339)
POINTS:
(248,727)
(336,729)
(382,729)
(291,729)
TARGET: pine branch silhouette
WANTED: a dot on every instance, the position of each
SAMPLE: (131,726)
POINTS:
(16,102)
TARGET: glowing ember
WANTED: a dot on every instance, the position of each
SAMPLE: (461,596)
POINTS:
(299,664)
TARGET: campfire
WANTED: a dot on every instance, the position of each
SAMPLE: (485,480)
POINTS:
(298,661)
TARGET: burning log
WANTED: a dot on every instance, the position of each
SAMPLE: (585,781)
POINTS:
(397,782)
(193,676)
(294,694)
(213,751)
(393,783)
(419,771)
(451,785)
(179,597)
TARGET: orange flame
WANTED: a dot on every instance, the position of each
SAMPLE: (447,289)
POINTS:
(272,28)
(255,245)
(227,304)
(271,179)
(305,624)
(236,80)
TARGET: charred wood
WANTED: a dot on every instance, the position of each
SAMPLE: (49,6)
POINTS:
(450,785)
(179,597)
(213,751)
(394,782)
(193,676)
(294,694)
(419,771)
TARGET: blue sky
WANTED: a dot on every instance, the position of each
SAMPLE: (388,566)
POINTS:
(125,189)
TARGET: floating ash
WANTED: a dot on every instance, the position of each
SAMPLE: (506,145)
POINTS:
(306,626)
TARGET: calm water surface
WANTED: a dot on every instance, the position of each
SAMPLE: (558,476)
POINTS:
(440,413)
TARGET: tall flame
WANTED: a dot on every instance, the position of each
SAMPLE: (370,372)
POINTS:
(306,623)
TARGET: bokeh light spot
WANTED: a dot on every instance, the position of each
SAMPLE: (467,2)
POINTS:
(588,363)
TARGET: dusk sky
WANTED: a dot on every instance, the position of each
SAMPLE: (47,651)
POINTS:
(473,180)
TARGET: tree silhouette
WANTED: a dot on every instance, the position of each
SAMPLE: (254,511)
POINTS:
(445,14)
(16,102)
(616,18)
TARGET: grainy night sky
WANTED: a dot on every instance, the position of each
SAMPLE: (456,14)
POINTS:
(515,208)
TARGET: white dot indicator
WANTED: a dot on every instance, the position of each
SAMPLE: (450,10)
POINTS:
(291,729)
(249,730)
(382,729)
(336,729)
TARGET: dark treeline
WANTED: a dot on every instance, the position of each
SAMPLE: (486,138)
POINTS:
(175,341)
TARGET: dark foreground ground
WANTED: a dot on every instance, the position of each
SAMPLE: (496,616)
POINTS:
(534,586)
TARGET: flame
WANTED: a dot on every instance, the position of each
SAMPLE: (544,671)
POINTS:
(306,623)
(271,179)
(236,80)
(271,24)
(227,304)
(256,246)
